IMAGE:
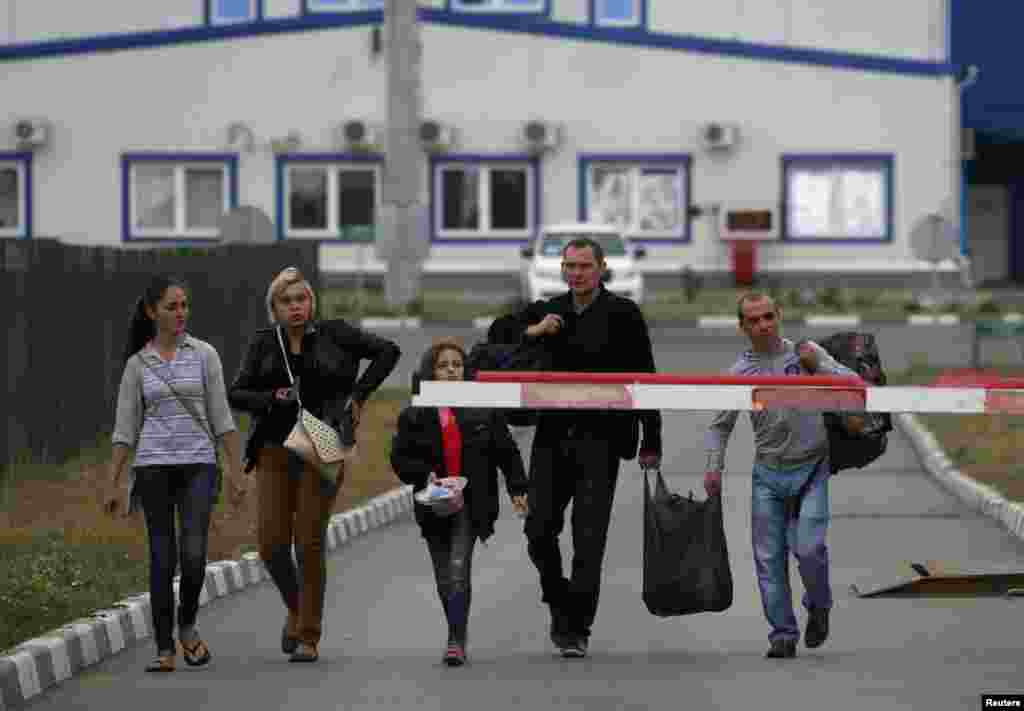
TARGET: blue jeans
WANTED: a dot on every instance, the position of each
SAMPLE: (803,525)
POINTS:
(775,535)
(185,491)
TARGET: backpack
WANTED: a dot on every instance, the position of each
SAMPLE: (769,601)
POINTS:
(859,353)
(504,350)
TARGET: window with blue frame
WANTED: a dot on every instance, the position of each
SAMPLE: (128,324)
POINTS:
(498,5)
(646,197)
(478,198)
(177,197)
(617,13)
(330,198)
(15,195)
(342,5)
(233,12)
(838,198)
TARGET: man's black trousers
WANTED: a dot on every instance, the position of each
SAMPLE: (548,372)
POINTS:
(581,464)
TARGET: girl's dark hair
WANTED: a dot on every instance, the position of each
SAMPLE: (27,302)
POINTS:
(142,328)
(429,359)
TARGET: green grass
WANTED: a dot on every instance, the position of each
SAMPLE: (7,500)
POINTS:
(48,582)
(456,305)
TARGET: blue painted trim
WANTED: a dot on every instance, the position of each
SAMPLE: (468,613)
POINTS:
(544,11)
(280,164)
(208,15)
(529,23)
(25,158)
(885,160)
(583,161)
(638,37)
(641,21)
(474,158)
(191,35)
(229,159)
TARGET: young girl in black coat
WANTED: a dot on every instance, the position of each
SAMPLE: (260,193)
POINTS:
(456,442)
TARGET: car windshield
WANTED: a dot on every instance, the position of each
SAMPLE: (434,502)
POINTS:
(613,245)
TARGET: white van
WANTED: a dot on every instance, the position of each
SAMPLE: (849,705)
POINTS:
(541,266)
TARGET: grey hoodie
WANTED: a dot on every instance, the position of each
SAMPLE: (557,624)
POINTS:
(786,438)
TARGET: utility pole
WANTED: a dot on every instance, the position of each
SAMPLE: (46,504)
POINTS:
(404,242)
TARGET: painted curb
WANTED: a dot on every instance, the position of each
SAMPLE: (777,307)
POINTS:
(978,496)
(44,662)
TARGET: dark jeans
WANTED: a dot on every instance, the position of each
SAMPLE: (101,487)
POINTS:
(451,551)
(185,491)
(581,466)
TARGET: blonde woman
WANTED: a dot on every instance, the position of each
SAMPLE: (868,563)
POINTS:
(295,501)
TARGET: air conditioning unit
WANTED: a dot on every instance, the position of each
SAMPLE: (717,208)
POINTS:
(717,136)
(541,136)
(436,136)
(31,132)
(357,135)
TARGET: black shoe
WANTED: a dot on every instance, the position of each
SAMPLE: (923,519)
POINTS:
(575,648)
(288,643)
(560,635)
(782,649)
(817,627)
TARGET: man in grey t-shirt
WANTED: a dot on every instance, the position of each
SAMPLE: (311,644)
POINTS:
(791,451)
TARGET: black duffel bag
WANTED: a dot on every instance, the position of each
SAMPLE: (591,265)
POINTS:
(686,559)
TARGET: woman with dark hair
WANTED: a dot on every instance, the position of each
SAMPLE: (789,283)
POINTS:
(171,408)
(438,443)
(295,501)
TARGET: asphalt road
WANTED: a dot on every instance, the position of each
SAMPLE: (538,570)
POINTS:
(384,632)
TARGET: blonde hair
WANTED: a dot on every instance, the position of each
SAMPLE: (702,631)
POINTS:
(287,277)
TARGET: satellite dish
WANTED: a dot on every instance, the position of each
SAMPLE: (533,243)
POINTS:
(246,225)
(934,239)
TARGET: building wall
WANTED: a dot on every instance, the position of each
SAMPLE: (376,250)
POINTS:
(609,97)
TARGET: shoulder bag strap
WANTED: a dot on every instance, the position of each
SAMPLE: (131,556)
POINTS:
(284,354)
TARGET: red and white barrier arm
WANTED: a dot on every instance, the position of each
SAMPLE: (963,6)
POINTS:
(663,391)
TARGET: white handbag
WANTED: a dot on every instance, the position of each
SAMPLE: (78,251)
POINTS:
(313,440)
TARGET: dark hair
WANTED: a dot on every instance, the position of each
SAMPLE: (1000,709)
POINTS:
(142,328)
(583,243)
(753,296)
(428,360)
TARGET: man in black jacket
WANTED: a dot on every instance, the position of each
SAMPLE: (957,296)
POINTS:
(576,453)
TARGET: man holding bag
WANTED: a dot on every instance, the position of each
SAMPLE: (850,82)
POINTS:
(790,505)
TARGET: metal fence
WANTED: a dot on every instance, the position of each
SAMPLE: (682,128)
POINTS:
(65,312)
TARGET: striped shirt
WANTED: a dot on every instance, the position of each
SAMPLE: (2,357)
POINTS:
(152,420)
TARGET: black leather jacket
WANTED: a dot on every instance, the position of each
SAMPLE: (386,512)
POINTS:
(331,355)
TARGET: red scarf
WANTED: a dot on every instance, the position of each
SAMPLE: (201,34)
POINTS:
(451,439)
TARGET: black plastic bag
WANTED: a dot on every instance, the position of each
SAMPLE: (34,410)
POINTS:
(686,559)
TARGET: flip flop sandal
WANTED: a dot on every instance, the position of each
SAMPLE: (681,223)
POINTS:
(196,653)
(161,664)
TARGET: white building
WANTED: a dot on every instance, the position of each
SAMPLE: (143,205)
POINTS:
(153,116)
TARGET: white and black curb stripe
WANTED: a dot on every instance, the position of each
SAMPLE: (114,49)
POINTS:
(41,663)
(978,496)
